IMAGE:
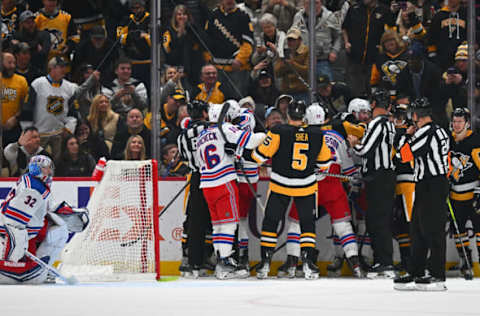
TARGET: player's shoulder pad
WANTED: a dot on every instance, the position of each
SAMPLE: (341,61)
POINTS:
(35,184)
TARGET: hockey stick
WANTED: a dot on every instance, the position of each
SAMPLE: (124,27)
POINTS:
(70,280)
(250,186)
(133,242)
(470,275)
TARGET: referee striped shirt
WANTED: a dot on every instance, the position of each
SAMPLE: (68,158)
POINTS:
(376,146)
(187,143)
(429,146)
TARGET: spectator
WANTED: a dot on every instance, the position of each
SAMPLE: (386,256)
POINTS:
(14,95)
(448,30)
(253,8)
(454,80)
(86,15)
(210,89)
(293,69)
(273,117)
(95,49)
(281,104)
(18,154)
(10,13)
(133,125)
(421,78)
(61,28)
(172,166)
(102,119)
(25,67)
(73,162)
(172,73)
(90,142)
(127,92)
(50,98)
(135,148)
(361,35)
(231,39)
(334,95)
(38,40)
(181,46)
(389,63)
(327,35)
(283,10)
(263,90)
(270,44)
(410,24)
(169,115)
(135,40)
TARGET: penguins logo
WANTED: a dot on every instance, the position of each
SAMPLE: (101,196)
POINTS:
(55,105)
(391,69)
(460,163)
(56,38)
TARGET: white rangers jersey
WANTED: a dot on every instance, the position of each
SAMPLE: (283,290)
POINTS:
(216,167)
(51,106)
(341,156)
(250,169)
(25,207)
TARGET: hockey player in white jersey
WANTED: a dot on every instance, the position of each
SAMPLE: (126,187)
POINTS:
(247,172)
(25,225)
(217,149)
(333,198)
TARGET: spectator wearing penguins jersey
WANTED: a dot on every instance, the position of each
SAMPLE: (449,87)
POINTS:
(375,149)
(428,145)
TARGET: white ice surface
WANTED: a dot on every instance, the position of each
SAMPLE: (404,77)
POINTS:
(324,297)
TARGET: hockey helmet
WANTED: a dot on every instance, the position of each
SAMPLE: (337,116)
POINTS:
(357,105)
(42,167)
(233,110)
(315,114)
(196,107)
(462,112)
(214,112)
(381,97)
(297,109)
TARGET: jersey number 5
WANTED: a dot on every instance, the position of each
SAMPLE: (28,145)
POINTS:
(299,159)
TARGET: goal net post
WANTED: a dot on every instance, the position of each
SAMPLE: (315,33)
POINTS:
(123,234)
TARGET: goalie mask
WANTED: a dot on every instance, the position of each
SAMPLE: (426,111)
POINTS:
(41,167)
(77,219)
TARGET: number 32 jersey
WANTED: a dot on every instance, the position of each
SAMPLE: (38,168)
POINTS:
(26,205)
(295,151)
(216,166)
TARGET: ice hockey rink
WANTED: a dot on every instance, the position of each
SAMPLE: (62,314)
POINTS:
(326,296)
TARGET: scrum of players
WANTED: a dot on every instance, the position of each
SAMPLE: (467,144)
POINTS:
(314,170)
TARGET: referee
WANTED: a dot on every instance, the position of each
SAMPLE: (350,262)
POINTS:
(198,216)
(428,145)
(375,149)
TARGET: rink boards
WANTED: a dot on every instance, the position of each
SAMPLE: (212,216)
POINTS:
(77,193)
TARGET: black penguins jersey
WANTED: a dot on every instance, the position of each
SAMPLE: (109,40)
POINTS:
(296,152)
(465,165)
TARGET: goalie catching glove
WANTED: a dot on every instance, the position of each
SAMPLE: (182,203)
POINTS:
(76,219)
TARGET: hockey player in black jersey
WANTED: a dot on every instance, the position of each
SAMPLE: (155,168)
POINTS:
(296,150)
(464,178)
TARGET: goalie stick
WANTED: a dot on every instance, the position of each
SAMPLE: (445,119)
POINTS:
(70,280)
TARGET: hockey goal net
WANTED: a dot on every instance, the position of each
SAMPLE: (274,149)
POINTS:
(123,234)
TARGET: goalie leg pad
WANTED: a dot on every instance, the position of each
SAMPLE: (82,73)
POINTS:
(293,239)
(223,237)
(347,237)
(53,243)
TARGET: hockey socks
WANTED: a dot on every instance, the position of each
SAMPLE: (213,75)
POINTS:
(293,239)
(223,237)
(346,238)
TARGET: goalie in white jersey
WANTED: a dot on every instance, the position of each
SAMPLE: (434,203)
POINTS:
(216,149)
(25,225)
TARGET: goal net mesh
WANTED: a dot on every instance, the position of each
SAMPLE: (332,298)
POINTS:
(120,237)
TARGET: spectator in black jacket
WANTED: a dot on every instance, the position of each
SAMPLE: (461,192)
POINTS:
(23,56)
(39,41)
(454,80)
(263,90)
(133,125)
(362,29)
(335,95)
(421,78)
(73,162)
(89,142)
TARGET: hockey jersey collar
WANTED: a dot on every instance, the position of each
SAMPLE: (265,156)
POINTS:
(54,83)
(227,13)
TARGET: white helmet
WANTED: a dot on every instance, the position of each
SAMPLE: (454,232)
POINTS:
(315,114)
(233,109)
(359,105)
(41,167)
(214,112)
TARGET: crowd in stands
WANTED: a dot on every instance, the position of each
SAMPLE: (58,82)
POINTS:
(76,74)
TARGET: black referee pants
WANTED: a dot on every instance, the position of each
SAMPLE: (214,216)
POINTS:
(198,222)
(380,198)
(428,226)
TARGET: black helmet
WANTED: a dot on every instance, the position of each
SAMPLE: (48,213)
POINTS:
(381,98)
(462,112)
(297,109)
(196,107)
